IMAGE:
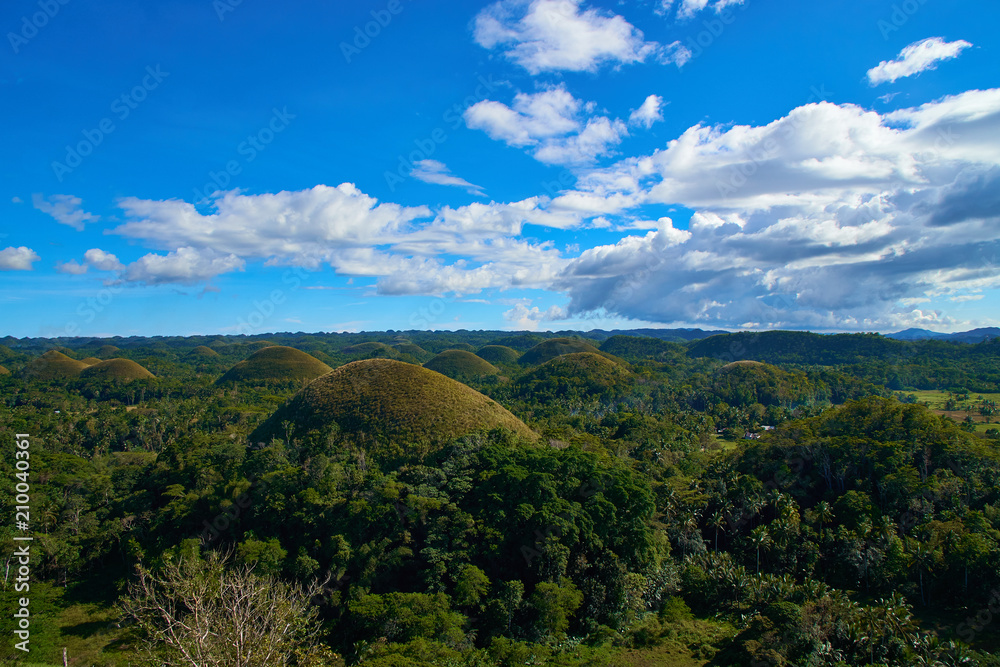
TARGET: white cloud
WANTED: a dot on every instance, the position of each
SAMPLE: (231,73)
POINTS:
(291,227)
(354,234)
(102,261)
(832,217)
(432,171)
(559,35)
(650,112)
(65,209)
(916,58)
(17,259)
(688,8)
(525,318)
(72,267)
(186,266)
(553,123)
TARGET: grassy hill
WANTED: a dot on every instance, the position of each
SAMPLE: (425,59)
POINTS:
(4,371)
(499,354)
(576,374)
(519,342)
(744,383)
(203,352)
(413,350)
(554,347)
(90,361)
(53,365)
(461,365)
(392,400)
(108,351)
(276,364)
(369,349)
(117,369)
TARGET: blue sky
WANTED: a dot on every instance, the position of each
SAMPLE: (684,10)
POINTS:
(187,167)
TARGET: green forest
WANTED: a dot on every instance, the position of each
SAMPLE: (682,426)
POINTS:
(490,498)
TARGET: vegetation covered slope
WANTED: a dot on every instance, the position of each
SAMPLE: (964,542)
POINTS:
(116,369)
(554,347)
(4,371)
(461,365)
(383,398)
(53,365)
(90,361)
(498,354)
(577,374)
(204,351)
(108,351)
(413,350)
(276,364)
(373,348)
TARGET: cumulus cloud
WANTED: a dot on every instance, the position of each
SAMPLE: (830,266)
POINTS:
(65,209)
(552,123)
(354,234)
(560,35)
(72,267)
(649,113)
(185,266)
(433,171)
(916,58)
(528,319)
(689,8)
(102,261)
(832,217)
(18,259)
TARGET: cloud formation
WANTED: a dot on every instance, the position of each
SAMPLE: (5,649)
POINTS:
(18,259)
(916,58)
(64,209)
(433,171)
(832,217)
(560,35)
(557,127)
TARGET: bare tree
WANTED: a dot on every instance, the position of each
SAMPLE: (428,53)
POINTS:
(196,612)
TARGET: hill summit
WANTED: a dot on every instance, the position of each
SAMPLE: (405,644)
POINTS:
(554,347)
(117,369)
(391,400)
(53,365)
(276,364)
(461,365)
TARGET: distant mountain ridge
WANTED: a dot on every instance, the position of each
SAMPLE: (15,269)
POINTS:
(973,336)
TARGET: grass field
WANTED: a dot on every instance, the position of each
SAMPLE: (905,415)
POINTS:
(936,400)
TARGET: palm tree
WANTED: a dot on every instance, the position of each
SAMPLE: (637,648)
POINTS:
(824,515)
(759,537)
(922,557)
(717,521)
